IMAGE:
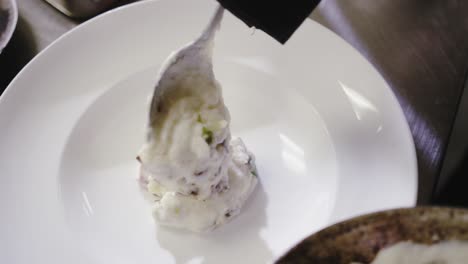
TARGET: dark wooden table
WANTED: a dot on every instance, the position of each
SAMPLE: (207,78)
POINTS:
(419,46)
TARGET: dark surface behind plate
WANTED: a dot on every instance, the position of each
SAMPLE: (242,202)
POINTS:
(4,16)
(359,239)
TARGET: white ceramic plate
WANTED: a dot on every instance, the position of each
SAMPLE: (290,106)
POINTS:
(8,19)
(330,139)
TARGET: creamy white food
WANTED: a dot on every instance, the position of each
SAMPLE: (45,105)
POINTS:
(194,175)
(447,252)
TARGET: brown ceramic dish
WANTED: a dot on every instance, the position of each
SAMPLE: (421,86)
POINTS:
(360,239)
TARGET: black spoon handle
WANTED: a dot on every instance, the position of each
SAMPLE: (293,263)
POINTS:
(279,19)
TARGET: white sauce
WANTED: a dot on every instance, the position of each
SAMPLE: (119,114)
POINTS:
(447,252)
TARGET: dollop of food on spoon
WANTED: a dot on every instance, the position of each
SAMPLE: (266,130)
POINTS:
(195,176)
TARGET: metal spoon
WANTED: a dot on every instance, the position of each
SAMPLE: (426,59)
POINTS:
(194,58)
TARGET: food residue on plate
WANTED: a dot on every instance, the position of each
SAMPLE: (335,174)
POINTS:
(446,252)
